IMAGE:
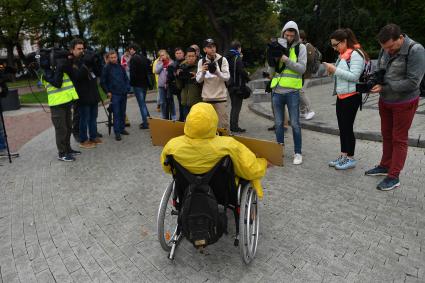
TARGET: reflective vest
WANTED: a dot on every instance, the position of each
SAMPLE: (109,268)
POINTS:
(288,78)
(58,96)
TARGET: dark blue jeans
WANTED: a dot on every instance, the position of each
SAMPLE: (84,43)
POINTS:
(185,111)
(292,100)
(166,100)
(140,94)
(88,117)
(119,106)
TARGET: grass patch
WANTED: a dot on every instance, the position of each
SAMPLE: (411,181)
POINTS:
(41,96)
(36,97)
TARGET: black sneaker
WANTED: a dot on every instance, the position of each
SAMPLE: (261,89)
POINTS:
(74,152)
(377,171)
(143,126)
(118,137)
(388,184)
(240,130)
(272,128)
(99,135)
(125,133)
(66,158)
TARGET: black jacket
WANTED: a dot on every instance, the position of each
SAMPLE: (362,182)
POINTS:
(85,83)
(238,77)
(140,71)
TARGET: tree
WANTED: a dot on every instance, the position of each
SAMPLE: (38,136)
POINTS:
(17,20)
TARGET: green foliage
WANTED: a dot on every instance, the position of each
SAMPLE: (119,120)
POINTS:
(364,17)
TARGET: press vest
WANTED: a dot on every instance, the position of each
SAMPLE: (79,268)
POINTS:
(58,96)
(288,78)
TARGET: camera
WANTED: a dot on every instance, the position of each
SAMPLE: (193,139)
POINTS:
(275,49)
(93,61)
(370,81)
(184,73)
(212,67)
(46,58)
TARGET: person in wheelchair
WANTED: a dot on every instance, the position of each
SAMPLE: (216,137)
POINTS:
(200,148)
(196,156)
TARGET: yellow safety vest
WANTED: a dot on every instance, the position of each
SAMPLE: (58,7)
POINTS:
(288,78)
(58,96)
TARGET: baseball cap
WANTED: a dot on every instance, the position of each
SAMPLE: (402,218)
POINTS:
(208,42)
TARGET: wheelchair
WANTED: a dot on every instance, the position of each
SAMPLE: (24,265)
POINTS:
(240,198)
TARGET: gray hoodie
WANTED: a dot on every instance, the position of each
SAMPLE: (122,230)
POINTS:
(401,82)
(300,65)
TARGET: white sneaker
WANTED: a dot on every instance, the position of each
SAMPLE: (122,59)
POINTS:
(298,159)
(309,115)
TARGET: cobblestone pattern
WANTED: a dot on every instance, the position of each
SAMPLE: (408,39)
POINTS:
(94,220)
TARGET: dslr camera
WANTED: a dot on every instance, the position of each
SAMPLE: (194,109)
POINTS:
(275,49)
(184,73)
(212,67)
(370,81)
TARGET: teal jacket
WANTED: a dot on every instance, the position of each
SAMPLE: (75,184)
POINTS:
(347,75)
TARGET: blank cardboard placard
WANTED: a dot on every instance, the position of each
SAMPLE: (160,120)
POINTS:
(164,130)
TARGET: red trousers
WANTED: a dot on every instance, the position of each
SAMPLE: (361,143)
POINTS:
(396,120)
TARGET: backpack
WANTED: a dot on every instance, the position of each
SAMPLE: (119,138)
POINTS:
(314,58)
(367,71)
(422,84)
(201,221)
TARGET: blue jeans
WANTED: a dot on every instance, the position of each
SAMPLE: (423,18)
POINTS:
(140,94)
(88,117)
(185,111)
(292,100)
(119,105)
(2,139)
(166,99)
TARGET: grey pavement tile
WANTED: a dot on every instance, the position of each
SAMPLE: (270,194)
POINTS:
(45,276)
(97,222)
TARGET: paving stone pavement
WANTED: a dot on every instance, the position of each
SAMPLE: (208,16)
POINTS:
(94,220)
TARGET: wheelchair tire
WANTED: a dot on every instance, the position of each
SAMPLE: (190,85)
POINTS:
(164,210)
(249,220)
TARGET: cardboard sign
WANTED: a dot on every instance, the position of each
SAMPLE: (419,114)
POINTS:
(164,130)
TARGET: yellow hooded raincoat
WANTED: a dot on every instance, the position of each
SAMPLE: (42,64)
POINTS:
(199,149)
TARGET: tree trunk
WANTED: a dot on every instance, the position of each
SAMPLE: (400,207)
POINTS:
(10,56)
(224,32)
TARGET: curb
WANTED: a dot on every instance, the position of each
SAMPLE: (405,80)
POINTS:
(321,127)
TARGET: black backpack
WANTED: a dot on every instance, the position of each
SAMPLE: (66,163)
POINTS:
(201,221)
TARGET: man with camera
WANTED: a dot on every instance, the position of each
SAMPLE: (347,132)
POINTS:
(213,71)
(186,81)
(140,81)
(61,95)
(287,64)
(84,77)
(172,79)
(403,60)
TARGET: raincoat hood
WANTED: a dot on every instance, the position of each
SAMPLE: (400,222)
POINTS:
(202,121)
(293,25)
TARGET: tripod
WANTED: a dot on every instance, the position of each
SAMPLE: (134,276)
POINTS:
(5,133)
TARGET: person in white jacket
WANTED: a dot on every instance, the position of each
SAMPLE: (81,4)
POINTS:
(214,90)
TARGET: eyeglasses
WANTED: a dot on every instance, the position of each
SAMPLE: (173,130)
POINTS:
(335,45)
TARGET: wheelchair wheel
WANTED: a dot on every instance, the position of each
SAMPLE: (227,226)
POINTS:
(167,219)
(248,224)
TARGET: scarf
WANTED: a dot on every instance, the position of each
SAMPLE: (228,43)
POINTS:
(346,55)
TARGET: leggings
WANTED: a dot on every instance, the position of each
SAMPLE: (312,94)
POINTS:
(346,110)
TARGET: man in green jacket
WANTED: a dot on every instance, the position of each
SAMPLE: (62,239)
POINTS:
(186,81)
